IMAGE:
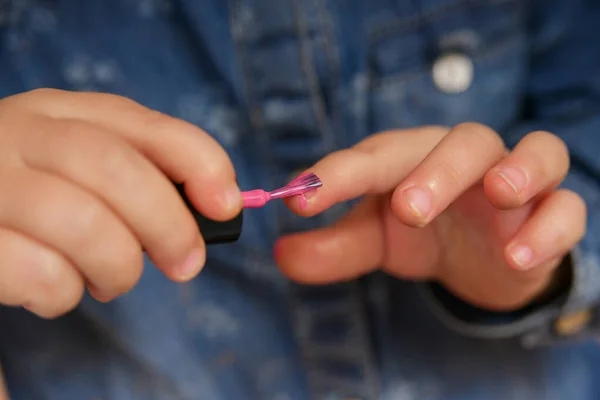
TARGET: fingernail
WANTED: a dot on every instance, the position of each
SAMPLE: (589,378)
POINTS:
(522,256)
(515,177)
(191,265)
(419,201)
(233,197)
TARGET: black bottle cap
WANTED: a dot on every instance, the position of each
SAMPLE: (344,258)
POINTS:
(214,232)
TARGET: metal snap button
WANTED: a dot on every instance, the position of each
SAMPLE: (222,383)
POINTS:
(453,73)
(571,324)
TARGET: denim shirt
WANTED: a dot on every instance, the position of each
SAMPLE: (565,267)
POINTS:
(281,83)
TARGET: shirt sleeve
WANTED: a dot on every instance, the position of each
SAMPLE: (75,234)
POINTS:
(563,97)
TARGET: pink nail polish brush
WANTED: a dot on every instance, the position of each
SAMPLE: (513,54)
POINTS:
(304,183)
(219,232)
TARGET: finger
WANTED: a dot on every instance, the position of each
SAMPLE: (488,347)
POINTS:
(35,276)
(536,165)
(75,224)
(556,226)
(3,390)
(183,151)
(141,195)
(331,254)
(460,160)
(374,166)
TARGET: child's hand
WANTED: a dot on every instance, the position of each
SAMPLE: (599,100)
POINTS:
(84,187)
(451,205)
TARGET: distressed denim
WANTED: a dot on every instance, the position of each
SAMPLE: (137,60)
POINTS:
(281,83)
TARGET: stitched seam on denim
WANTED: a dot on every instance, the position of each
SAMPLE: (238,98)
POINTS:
(308,68)
(295,303)
(355,349)
(399,25)
(484,55)
(256,117)
(333,63)
(237,35)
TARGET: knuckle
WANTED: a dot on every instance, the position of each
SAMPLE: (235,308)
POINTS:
(29,99)
(367,153)
(38,94)
(568,227)
(42,93)
(119,164)
(449,171)
(161,125)
(119,101)
(59,285)
(217,168)
(156,121)
(482,135)
(127,266)
(578,210)
(438,130)
(86,218)
(575,202)
(373,143)
(550,142)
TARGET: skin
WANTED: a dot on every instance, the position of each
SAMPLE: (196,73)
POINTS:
(83,175)
(452,205)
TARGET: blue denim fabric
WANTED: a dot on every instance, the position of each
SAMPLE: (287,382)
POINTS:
(280,83)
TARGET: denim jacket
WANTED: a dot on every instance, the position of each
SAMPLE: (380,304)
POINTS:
(281,83)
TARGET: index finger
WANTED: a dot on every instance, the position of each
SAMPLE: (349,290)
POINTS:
(180,149)
(374,166)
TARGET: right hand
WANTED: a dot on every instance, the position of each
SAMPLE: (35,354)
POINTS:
(85,184)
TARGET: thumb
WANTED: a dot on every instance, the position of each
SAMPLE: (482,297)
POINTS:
(352,247)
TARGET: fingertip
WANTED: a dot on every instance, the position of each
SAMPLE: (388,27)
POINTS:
(411,206)
(218,201)
(190,267)
(232,202)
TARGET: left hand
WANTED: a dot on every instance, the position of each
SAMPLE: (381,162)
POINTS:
(452,205)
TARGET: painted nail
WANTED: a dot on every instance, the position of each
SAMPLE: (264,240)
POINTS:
(522,256)
(515,177)
(419,201)
(191,265)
